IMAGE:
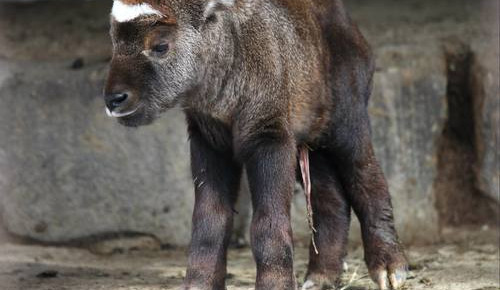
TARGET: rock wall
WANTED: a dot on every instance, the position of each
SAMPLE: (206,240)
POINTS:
(69,173)
(487,109)
(66,170)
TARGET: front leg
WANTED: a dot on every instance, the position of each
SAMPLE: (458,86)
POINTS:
(216,179)
(270,165)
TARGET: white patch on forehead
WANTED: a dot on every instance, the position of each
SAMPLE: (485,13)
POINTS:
(123,12)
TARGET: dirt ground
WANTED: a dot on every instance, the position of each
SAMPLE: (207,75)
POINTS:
(465,260)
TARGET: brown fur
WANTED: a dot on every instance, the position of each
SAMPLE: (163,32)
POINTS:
(256,80)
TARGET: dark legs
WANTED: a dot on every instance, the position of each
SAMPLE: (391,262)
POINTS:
(366,188)
(271,176)
(216,179)
(271,165)
(331,220)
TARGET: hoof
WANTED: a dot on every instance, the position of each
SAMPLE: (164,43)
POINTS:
(319,283)
(386,262)
(345,267)
(391,278)
(309,285)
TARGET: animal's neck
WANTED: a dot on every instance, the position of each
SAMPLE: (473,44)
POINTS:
(216,92)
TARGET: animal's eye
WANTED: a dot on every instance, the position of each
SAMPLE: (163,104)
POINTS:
(160,48)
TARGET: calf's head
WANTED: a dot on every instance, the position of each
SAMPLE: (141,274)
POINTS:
(160,52)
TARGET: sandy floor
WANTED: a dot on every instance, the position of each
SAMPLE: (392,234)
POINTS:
(469,262)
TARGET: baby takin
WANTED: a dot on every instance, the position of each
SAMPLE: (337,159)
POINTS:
(260,81)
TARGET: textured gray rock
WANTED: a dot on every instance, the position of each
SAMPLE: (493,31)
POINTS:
(55,30)
(67,172)
(408,113)
(487,110)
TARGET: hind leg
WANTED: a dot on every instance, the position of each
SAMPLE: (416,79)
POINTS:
(331,220)
(367,191)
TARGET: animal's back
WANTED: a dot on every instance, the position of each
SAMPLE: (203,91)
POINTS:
(350,69)
(332,73)
(300,59)
(284,50)
(351,62)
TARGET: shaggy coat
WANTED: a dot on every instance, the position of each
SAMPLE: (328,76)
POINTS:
(258,79)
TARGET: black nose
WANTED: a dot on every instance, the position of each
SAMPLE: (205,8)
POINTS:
(113,101)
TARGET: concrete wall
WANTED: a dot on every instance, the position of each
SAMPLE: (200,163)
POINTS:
(67,172)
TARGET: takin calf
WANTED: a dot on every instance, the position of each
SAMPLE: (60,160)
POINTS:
(259,81)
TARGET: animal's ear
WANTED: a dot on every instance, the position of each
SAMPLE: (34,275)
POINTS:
(215,5)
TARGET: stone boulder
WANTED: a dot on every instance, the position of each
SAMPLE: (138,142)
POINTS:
(68,173)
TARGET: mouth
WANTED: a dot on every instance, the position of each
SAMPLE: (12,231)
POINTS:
(120,114)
